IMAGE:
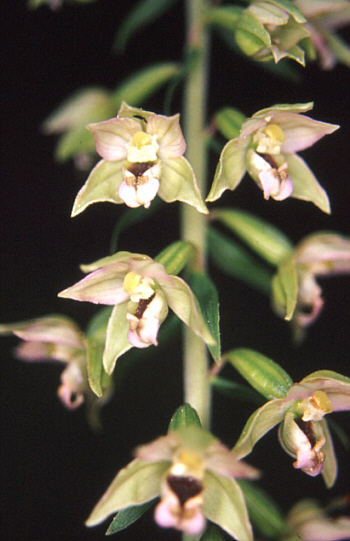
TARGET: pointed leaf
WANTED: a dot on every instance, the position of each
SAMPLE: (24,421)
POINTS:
(175,256)
(102,185)
(266,376)
(205,291)
(136,484)
(259,423)
(285,289)
(144,13)
(230,169)
(224,504)
(185,305)
(117,341)
(128,516)
(178,183)
(184,416)
(144,83)
(263,511)
(264,238)
(306,186)
(228,122)
(235,261)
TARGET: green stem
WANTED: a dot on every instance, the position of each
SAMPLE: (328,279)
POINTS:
(196,386)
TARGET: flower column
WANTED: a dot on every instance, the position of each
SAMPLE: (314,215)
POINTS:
(196,387)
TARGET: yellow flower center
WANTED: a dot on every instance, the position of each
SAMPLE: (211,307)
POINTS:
(270,139)
(316,407)
(322,402)
(142,148)
(137,286)
(275,133)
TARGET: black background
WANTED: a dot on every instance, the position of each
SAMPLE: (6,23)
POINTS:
(53,467)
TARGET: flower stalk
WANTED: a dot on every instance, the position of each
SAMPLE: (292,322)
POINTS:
(196,386)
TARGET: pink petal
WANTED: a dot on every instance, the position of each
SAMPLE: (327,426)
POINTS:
(112,136)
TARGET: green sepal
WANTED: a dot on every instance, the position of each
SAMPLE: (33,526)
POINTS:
(95,338)
(184,416)
(284,288)
(306,186)
(144,83)
(212,533)
(263,511)
(290,8)
(235,261)
(266,376)
(101,186)
(139,482)
(144,13)
(251,35)
(223,17)
(223,504)
(175,256)
(205,291)
(228,121)
(117,341)
(265,239)
(128,516)
(236,391)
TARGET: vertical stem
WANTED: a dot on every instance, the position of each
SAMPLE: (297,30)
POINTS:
(196,387)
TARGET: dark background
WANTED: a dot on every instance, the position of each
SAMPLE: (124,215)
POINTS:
(53,467)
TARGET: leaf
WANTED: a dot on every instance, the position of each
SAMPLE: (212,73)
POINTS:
(128,516)
(212,533)
(144,13)
(175,256)
(285,289)
(266,376)
(223,504)
(205,290)
(137,483)
(184,416)
(101,186)
(263,511)
(228,121)
(306,186)
(236,391)
(234,261)
(264,238)
(144,83)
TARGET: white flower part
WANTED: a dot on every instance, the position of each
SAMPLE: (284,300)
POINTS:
(71,389)
(187,518)
(145,321)
(316,406)
(140,190)
(143,148)
(269,140)
(274,181)
(137,286)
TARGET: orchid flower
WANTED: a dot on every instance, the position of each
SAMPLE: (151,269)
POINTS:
(324,17)
(303,431)
(194,475)
(266,148)
(55,338)
(296,295)
(267,31)
(309,522)
(141,291)
(142,156)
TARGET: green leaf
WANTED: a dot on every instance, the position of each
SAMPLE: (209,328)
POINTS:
(236,391)
(144,13)
(175,256)
(223,17)
(234,261)
(223,504)
(184,416)
(212,533)
(144,83)
(263,511)
(137,483)
(205,290)
(264,238)
(306,186)
(228,121)
(285,289)
(128,516)
(266,376)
